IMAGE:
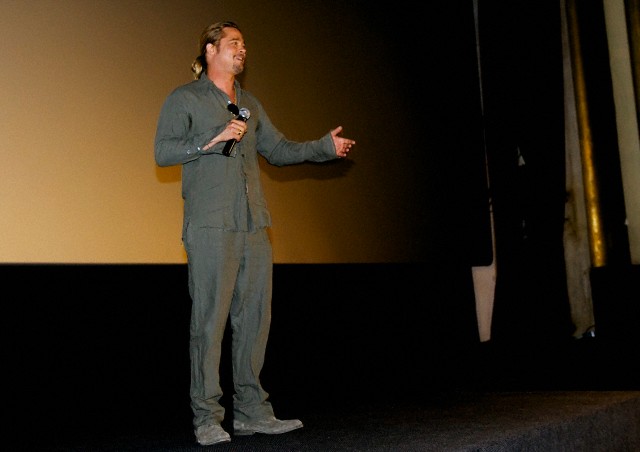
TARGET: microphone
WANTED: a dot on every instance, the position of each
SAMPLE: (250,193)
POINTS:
(243,115)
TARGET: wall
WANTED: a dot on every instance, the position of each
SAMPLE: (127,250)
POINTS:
(83,84)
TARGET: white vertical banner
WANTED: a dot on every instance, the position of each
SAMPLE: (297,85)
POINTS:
(484,277)
(626,118)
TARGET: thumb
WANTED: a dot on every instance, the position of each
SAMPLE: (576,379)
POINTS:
(336,131)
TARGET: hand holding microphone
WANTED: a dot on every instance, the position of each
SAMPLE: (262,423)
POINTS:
(243,115)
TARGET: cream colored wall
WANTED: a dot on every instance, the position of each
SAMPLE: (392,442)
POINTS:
(82,83)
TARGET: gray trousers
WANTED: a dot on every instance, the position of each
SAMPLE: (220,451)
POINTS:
(230,275)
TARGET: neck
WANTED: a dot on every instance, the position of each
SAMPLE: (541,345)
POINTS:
(224,82)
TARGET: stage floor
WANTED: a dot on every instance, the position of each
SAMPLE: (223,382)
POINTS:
(455,421)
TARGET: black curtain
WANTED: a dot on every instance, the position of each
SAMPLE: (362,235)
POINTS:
(522,84)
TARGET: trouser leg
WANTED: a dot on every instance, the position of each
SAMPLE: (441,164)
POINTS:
(214,259)
(250,322)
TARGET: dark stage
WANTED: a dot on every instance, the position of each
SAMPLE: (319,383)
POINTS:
(369,357)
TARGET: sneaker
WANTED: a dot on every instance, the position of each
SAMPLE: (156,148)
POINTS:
(209,434)
(270,426)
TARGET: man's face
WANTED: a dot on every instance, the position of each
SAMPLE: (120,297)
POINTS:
(231,54)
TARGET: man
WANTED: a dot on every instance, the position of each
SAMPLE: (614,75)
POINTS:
(225,226)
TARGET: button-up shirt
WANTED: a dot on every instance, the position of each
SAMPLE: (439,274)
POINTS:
(220,191)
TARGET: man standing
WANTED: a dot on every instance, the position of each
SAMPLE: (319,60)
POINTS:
(225,226)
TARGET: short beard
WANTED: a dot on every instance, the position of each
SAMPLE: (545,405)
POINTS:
(237,69)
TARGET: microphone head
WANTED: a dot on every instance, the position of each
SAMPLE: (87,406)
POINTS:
(233,108)
(245,113)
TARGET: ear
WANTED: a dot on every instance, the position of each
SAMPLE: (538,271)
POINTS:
(210,48)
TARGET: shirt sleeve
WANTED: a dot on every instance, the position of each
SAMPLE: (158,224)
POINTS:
(176,143)
(280,151)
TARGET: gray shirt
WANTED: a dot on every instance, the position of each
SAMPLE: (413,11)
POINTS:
(220,191)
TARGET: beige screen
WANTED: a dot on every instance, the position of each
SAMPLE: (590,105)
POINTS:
(82,83)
